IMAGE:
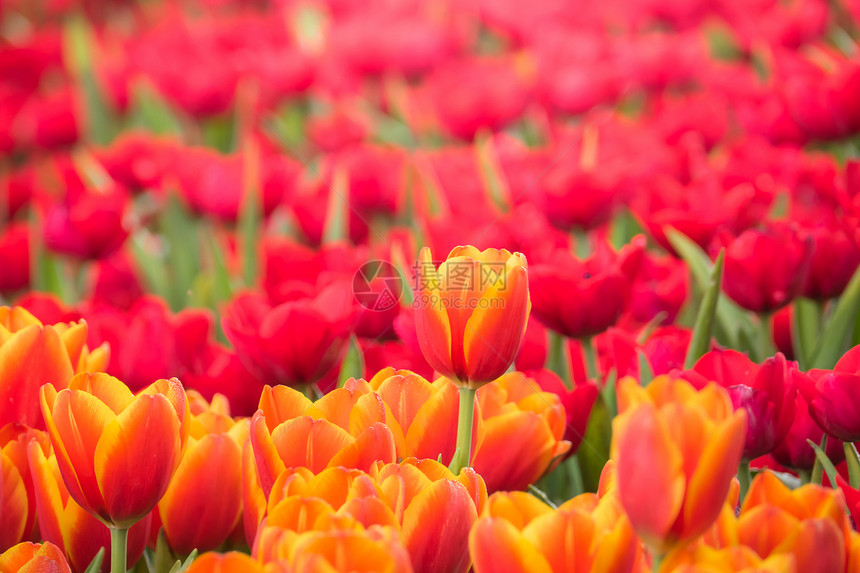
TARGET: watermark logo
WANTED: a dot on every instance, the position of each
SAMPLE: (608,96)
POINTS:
(377,286)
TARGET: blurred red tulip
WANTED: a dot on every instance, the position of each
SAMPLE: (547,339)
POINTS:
(583,298)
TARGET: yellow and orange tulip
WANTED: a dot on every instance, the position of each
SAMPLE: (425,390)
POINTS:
(676,451)
(471,312)
(116,451)
(29,557)
(197,511)
(32,354)
(66,524)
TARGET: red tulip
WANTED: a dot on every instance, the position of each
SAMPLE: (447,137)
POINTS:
(766,392)
(295,343)
(583,298)
(765,269)
(833,397)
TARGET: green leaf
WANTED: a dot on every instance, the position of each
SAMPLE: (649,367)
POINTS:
(805,330)
(250,222)
(150,263)
(594,451)
(700,342)
(353,363)
(179,228)
(646,373)
(96,564)
(732,324)
(835,338)
(823,462)
(151,112)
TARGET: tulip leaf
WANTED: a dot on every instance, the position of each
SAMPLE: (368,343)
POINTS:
(805,329)
(732,324)
(542,495)
(700,342)
(823,461)
(558,357)
(835,338)
(788,480)
(150,263)
(161,560)
(96,564)
(353,363)
(179,229)
(493,178)
(594,450)
(151,112)
(646,373)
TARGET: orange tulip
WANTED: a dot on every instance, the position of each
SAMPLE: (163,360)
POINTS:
(575,537)
(375,550)
(518,432)
(32,354)
(471,312)
(347,427)
(116,451)
(197,511)
(809,523)
(735,559)
(676,452)
(66,524)
(14,440)
(233,562)
(28,557)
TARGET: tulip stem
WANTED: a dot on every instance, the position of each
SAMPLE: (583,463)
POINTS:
(744,478)
(656,561)
(817,468)
(590,357)
(558,359)
(118,546)
(463,453)
(766,334)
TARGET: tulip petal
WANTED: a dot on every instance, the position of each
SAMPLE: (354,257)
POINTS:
(309,443)
(497,547)
(136,457)
(649,467)
(436,527)
(432,324)
(376,443)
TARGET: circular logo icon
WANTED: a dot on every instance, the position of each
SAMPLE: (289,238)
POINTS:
(377,285)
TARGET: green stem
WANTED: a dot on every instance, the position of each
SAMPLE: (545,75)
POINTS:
(805,476)
(656,562)
(852,460)
(744,478)
(817,469)
(590,355)
(118,545)
(463,453)
(558,359)
(766,334)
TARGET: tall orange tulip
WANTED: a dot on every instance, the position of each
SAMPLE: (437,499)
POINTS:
(14,441)
(116,451)
(66,524)
(32,354)
(197,511)
(676,451)
(471,312)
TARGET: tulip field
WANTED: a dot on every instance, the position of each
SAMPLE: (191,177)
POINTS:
(429,286)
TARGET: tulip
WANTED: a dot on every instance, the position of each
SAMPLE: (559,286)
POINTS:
(470,316)
(116,451)
(31,354)
(733,559)
(766,268)
(574,537)
(198,512)
(676,451)
(766,392)
(835,258)
(582,298)
(233,562)
(296,343)
(833,401)
(794,451)
(19,511)
(66,524)
(28,557)
(15,257)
